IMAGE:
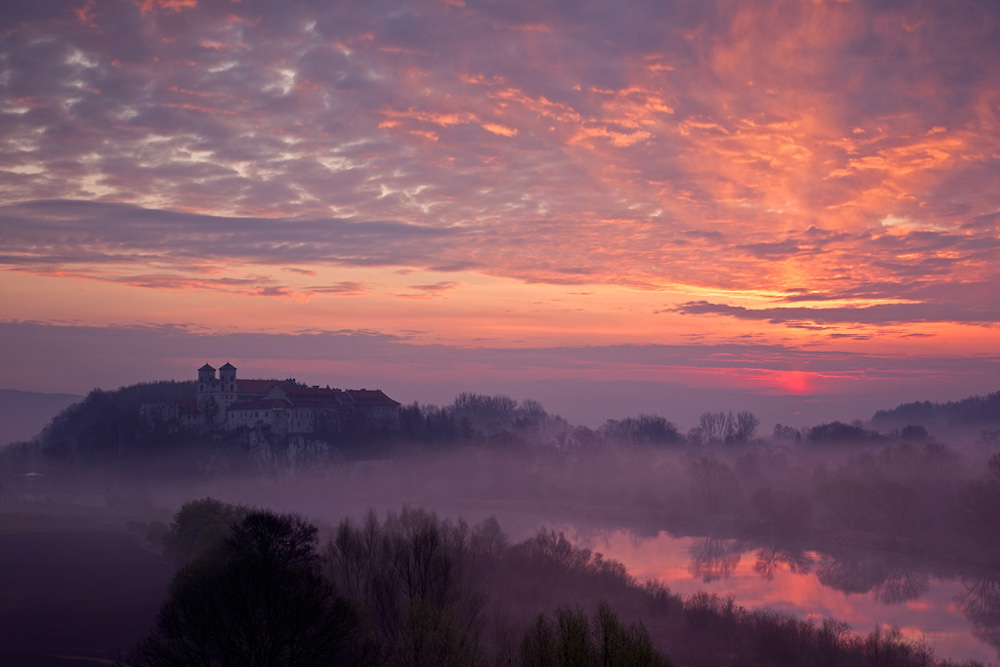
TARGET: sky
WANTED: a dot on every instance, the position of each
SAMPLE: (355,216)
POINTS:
(614,207)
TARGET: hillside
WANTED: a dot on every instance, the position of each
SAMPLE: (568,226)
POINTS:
(106,424)
(974,412)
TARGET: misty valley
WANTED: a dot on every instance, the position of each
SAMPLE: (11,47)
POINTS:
(489,532)
(499,333)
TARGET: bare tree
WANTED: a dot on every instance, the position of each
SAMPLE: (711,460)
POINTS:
(573,640)
(745,426)
(713,426)
(485,414)
(642,430)
(419,579)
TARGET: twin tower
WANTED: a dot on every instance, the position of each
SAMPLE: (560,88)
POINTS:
(216,394)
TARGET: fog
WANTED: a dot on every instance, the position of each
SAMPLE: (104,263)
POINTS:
(887,521)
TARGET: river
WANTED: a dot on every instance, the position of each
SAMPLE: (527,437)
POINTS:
(957,614)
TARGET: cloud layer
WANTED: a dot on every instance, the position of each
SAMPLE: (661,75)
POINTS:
(814,172)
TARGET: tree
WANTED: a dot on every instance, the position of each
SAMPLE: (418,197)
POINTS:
(642,430)
(573,640)
(838,432)
(786,433)
(419,580)
(199,528)
(715,483)
(981,504)
(106,424)
(746,426)
(257,601)
(713,426)
(486,415)
(716,427)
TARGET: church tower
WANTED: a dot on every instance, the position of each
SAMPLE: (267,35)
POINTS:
(208,390)
(206,377)
(227,374)
(227,378)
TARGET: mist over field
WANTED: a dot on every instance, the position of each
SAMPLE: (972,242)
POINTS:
(838,514)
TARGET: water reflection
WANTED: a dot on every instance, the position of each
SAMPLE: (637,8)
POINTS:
(890,583)
(771,560)
(981,605)
(887,579)
(955,611)
(713,559)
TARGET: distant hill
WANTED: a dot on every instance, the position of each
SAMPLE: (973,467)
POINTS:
(24,413)
(106,423)
(972,412)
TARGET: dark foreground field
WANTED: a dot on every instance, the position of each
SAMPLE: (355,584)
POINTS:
(73,596)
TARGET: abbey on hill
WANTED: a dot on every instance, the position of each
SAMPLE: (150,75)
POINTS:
(278,406)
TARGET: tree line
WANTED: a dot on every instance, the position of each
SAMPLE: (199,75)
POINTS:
(105,428)
(503,421)
(255,588)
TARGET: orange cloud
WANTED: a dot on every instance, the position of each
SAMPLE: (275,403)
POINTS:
(502,130)
(85,13)
(147,6)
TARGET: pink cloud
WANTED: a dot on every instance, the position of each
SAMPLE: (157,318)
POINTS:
(788,167)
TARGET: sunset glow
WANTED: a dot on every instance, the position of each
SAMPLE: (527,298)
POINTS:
(770,199)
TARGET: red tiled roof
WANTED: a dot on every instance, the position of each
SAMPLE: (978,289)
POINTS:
(299,390)
(260,404)
(369,397)
(260,386)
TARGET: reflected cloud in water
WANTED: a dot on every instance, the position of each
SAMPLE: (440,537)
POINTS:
(771,560)
(888,583)
(958,614)
(981,605)
(713,559)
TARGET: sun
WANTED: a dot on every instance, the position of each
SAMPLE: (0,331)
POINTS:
(794,382)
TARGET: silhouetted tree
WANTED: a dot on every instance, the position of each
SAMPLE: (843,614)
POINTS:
(573,640)
(106,425)
(839,432)
(746,426)
(199,528)
(256,602)
(642,430)
(786,433)
(484,414)
(529,416)
(713,426)
(419,581)
(981,505)
(969,411)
